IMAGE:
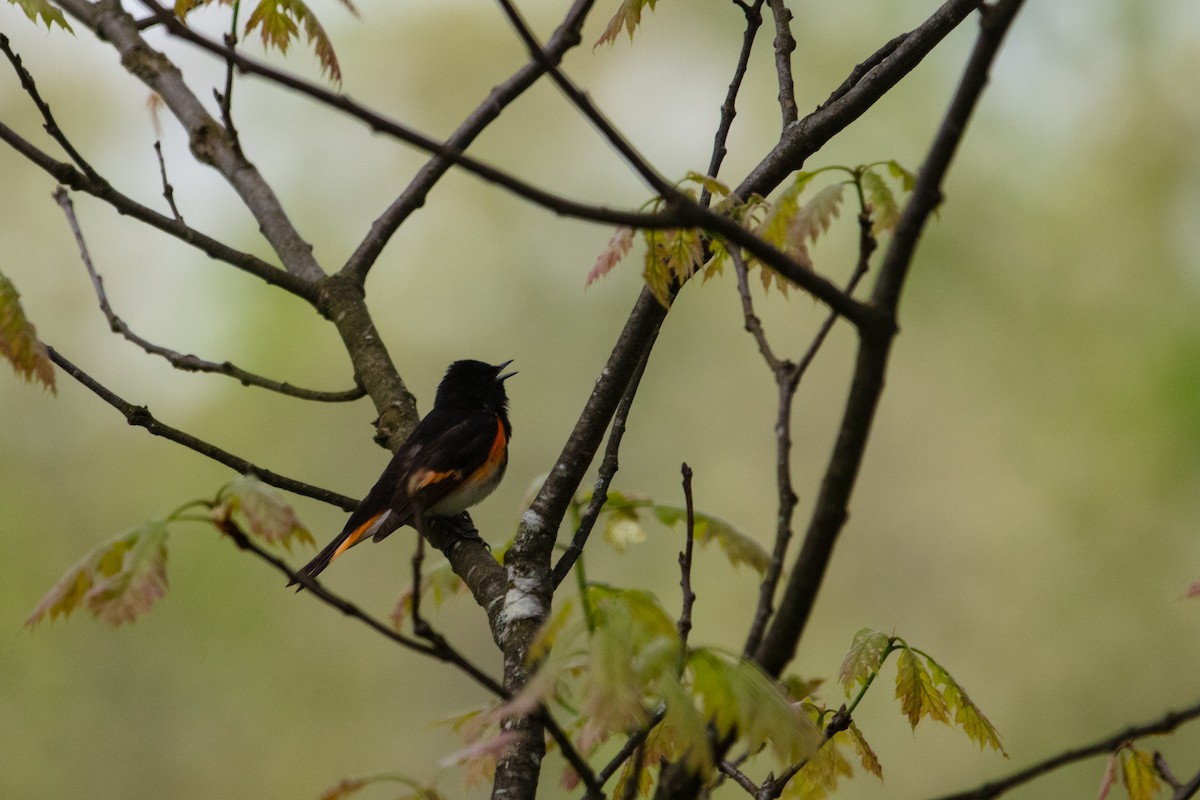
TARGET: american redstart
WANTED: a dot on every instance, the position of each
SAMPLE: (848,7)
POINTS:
(453,459)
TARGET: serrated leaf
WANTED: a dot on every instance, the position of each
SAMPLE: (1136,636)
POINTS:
(279,22)
(864,657)
(816,216)
(616,249)
(628,16)
(44,11)
(1139,774)
(18,339)
(966,714)
(884,211)
(737,546)
(866,755)
(267,515)
(915,690)
(117,581)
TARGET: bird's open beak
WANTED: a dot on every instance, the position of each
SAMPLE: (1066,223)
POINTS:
(506,375)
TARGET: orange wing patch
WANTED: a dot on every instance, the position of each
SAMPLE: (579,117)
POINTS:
(355,535)
(427,477)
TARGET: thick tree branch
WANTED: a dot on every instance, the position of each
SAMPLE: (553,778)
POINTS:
(830,512)
(141,417)
(1164,724)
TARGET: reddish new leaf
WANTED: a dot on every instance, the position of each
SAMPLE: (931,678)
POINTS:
(267,515)
(118,581)
(628,15)
(616,249)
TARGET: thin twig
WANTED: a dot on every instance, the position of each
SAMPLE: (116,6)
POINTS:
(187,363)
(632,785)
(737,776)
(168,190)
(631,745)
(225,98)
(753,16)
(1164,724)
(752,322)
(141,417)
(659,184)
(785,45)
(608,469)
(685,559)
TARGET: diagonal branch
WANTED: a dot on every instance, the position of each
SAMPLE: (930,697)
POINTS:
(830,513)
(1164,724)
(141,417)
(413,197)
(187,363)
(753,16)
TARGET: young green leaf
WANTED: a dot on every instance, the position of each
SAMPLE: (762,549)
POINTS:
(46,12)
(714,186)
(264,510)
(18,339)
(864,657)
(1139,774)
(737,546)
(628,15)
(819,778)
(817,215)
(915,690)
(973,722)
(117,581)
(884,211)
(738,696)
(622,530)
(907,179)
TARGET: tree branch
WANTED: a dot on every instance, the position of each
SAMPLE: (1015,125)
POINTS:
(141,417)
(1165,724)
(830,512)
(785,45)
(753,16)
(187,363)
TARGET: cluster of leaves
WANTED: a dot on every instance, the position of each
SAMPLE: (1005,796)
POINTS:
(1134,769)
(674,255)
(279,23)
(628,16)
(44,11)
(122,578)
(19,343)
(923,687)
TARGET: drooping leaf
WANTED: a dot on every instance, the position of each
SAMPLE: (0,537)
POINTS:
(819,778)
(737,546)
(915,690)
(279,22)
(864,657)
(884,211)
(866,755)
(18,339)
(628,16)
(1139,774)
(682,735)
(117,581)
(1111,767)
(264,510)
(44,11)
(616,249)
(715,187)
(738,696)
(799,688)
(966,714)
(907,179)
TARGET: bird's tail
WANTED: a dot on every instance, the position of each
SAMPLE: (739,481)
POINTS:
(340,544)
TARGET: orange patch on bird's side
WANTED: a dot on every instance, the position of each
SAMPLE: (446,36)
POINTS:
(428,478)
(354,537)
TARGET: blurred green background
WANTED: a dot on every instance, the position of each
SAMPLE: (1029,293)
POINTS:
(1027,509)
